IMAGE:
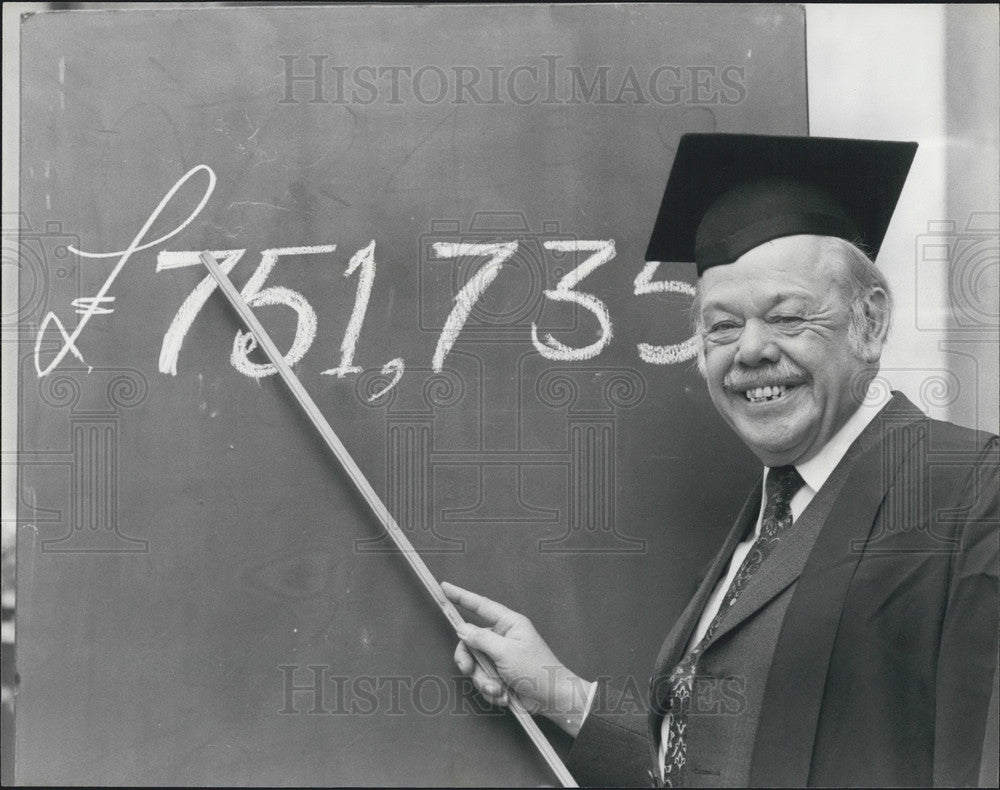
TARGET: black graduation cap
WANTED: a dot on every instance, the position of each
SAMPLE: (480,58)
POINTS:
(727,193)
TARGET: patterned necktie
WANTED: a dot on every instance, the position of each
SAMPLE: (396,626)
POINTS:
(782,484)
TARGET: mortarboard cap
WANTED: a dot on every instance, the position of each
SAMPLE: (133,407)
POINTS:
(728,193)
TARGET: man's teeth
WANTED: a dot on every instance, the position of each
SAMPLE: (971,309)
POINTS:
(760,394)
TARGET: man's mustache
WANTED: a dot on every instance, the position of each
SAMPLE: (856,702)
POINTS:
(742,378)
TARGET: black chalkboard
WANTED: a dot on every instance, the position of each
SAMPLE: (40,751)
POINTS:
(191,563)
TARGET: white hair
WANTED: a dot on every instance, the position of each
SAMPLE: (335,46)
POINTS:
(859,277)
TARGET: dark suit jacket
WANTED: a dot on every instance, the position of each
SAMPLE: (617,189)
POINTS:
(879,626)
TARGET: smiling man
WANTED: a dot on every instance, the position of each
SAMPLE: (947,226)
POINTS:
(846,632)
(782,356)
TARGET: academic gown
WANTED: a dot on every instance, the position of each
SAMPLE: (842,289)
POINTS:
(866,645)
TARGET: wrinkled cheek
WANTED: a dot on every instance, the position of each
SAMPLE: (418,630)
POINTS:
(719,396)
(717,365)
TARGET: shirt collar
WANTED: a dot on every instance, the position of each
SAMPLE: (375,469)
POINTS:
(817,469)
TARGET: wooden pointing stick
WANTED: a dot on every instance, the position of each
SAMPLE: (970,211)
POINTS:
(378,507)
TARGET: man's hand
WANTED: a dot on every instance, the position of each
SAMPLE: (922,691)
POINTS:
(523,660)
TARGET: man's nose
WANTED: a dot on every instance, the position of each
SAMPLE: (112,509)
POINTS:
(756,345)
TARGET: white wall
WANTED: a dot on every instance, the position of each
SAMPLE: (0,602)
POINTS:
(882,71)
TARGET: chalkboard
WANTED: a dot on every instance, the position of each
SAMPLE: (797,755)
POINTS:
(463,193)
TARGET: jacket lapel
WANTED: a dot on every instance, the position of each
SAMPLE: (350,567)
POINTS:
(673,646)
(794,692)
(782,568)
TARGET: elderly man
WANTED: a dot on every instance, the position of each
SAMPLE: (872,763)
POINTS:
(850,618)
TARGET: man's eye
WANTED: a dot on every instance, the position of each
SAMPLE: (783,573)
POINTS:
(788,320)
(722,331)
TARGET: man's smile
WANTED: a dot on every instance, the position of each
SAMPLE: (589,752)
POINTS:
(768,393)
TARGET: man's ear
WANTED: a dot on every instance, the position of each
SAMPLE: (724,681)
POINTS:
(876,324)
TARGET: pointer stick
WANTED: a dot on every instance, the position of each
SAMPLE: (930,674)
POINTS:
(374,501)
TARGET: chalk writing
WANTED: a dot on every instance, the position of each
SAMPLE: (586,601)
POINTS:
(92,308)
(395,367)
(603,251)
(174,337)
(471,291)
(255,295)
(664,355)
(365,259)
(362,263)
(93,304)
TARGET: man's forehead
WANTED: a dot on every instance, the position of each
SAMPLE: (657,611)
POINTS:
(785,269)
(760,298)
(786,256)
